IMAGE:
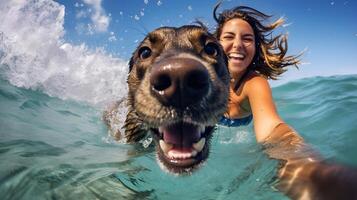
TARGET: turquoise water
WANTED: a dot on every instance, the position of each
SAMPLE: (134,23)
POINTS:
(52,148)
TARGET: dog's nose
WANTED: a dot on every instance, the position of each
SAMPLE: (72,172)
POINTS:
(179,82)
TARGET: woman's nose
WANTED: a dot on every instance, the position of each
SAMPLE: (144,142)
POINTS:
(237,43)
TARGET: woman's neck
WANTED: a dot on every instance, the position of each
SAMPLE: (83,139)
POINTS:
(236,77)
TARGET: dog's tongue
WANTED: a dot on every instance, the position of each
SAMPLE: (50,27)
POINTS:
(181,134)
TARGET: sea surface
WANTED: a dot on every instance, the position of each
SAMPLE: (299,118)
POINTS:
(53,147)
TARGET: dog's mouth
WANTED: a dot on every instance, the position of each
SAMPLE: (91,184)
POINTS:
(182,146)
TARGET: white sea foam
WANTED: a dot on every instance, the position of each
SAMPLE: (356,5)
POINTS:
(228,135)
(34,54)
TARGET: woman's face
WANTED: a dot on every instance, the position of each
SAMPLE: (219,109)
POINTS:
(238,41)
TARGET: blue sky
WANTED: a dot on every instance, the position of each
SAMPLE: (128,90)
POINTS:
(326,30)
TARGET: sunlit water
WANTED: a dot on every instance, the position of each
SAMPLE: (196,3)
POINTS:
(53,148)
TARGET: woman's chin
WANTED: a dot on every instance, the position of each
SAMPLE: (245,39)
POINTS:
(237,68)
(237,71)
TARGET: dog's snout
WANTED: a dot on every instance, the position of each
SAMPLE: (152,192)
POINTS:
(179,82)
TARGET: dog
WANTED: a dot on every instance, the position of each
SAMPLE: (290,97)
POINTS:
(178,85)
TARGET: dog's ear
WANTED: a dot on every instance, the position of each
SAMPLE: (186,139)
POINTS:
(225,57)
(131,63)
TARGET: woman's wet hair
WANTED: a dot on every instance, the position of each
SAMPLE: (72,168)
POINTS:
(270,59)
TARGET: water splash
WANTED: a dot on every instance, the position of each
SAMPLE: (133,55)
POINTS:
(34,54)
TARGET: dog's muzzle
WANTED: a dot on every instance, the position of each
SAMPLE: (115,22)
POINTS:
(179,82)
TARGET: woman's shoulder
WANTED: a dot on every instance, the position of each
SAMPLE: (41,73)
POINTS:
(256,82)
(254,78)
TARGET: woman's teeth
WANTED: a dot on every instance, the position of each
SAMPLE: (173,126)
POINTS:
(236,55)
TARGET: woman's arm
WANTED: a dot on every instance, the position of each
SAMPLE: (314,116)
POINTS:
(262,105)
(302,174)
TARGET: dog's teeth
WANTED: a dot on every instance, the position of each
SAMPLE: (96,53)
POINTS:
(199,145)
(165,147)
(175,154)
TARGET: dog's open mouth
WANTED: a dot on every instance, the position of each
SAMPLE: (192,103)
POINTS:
(182,145)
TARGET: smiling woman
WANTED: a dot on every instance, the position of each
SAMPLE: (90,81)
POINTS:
(254,55)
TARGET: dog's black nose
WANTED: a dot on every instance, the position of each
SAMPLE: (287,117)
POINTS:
(179,82)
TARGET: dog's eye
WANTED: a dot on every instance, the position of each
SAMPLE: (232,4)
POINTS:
(144,52)
(211,49)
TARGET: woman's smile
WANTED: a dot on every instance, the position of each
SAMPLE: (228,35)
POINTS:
(236,57)
(238,42)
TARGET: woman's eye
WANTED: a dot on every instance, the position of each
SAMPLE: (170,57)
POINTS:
(211,49)
(228,37)
(144,52)
(248,39)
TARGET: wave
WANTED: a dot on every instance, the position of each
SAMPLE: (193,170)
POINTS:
(35,55)
(323,110)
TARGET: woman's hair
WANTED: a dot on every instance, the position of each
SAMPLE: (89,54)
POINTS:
(270,58)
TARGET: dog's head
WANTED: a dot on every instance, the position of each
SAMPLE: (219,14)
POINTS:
(178,88)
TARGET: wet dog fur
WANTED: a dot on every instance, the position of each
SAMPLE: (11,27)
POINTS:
(178,89)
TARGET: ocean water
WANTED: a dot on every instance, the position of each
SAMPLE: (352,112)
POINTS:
(58,148)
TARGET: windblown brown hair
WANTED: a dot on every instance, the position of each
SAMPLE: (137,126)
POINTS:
(270,58)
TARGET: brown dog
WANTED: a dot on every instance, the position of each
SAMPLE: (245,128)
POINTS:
(178,89)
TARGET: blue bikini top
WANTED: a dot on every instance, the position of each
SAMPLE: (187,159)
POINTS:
(235,122)
(240,121)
